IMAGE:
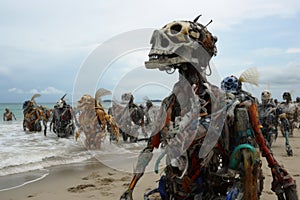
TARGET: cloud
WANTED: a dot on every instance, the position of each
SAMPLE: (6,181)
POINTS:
(59,32)
(293,50)
(268,51)
(276,76)
(275,51)
(48,90)
(15,90)
(51,90)
(280,79)
(4,71)
(41,39)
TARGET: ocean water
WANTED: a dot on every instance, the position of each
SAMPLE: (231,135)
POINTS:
(23,152)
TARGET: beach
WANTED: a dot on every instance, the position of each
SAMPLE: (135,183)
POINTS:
(93,180)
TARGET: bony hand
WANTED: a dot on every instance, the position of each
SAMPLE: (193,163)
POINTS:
(127,195)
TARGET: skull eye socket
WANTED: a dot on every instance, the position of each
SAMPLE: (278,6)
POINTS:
(176,28)
(164,42)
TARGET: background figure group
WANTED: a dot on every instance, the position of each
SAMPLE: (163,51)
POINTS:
(246,129)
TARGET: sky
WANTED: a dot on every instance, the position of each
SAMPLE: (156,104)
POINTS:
(74,47)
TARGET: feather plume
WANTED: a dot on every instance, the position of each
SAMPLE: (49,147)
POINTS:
(102,92)
(35,96)
(250,75)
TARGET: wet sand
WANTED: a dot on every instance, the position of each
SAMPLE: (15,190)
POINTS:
(93,180)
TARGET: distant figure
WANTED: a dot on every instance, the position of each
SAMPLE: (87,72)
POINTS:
(8,115)
(290,109)
(268,117)
(62,120)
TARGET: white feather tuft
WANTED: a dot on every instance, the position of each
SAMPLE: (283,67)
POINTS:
(251,76)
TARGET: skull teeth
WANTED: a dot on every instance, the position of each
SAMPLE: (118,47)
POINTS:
(153,57)
(161,56)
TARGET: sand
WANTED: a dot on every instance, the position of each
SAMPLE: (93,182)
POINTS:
(93,180)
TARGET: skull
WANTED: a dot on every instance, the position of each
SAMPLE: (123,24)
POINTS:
(181,42)
(60,103)
(265,96)
(127,97)
(287,96)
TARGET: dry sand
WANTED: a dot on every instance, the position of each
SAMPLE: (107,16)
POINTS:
(95,181)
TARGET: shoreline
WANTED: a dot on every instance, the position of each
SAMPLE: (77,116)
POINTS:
(14,181)
(93,180)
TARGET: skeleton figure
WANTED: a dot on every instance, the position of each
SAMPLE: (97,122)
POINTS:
(8,115)
(33,116)
(63,119)
(188,47)
(268,117)
(238,140)
(188,129)
(93,119)
(130,118)
(287,115)
(289,108)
